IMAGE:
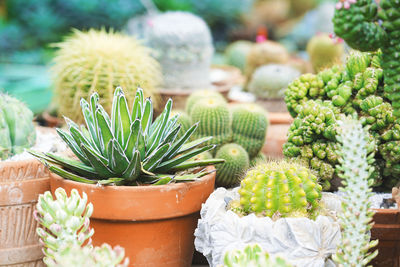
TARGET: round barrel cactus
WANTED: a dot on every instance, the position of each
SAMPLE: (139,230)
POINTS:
(17,131)
(202,94)
(282,189)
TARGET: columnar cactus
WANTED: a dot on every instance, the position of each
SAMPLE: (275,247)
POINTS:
(249,127)
(100,61)
(183,45)
(252,256)
(280,189)
(367,27)
(324,51)
(65,221)
(357,214)
(214,120)
(236,163)
(17,131)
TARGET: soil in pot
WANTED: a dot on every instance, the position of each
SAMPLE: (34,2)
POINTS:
(155,224)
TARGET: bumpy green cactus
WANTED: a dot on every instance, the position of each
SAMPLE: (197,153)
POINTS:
(17,131)
(280,189)
(367,27)
(214,120)
(100,61)
(202,94)
(249,127)
(355,169)
(184,120)
(324,51)
(236,53)
(252,256)
(104,256)
(270,81)
(236,163)
(65,221)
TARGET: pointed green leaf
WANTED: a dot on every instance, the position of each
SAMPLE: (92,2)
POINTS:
(114,113)
(117,160)
(69,175)
(88,116)
(196,163)
(133,139)
(133,170)
(97,163)
(155,158)
(177,145)
(73,145)
(189,146)
(154,142)
(147,116)
(104,129)
(170,138)
(124,120)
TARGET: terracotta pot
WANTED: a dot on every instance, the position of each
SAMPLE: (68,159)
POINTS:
(21,182)
(51,121)
(387,230)
(179,96)
(276,134)
(155,224)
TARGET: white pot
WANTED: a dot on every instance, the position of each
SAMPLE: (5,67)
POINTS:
(301,241)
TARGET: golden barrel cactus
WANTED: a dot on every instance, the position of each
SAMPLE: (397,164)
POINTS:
(99,61)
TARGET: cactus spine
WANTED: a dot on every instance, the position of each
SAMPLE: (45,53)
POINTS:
(214,120)
(357,213)
(366,27)
(17,131)
(236,163)
(100,61)
(249,127)
(280,189)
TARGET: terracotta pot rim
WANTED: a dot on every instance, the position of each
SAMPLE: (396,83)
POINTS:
(4,164)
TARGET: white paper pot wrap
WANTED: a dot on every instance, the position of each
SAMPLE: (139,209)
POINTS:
(303,242)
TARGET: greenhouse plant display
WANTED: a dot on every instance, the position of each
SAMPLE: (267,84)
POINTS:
(279,205)
(100,60)
(126,162)
(66,234)
(22,179)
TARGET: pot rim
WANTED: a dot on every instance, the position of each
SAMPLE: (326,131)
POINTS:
(140,203)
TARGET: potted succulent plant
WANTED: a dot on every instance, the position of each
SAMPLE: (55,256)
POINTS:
(22,179)
(145,208)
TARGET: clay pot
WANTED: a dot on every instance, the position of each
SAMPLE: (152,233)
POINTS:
(51,121)
(179,96)
(277,134)
(21,182)
(155,224)
(387,229)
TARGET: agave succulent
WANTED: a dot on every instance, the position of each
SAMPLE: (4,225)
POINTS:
(128,148)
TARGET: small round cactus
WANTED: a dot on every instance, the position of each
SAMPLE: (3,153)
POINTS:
(17,131)
(100,61)
(280,189)
(270,81)
(202,94)
(236,163)
(214,120)
(249,127)
(236,53)
(324,51)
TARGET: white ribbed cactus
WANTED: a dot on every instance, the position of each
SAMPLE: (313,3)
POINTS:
(182,44)
(65,221)
(355,170)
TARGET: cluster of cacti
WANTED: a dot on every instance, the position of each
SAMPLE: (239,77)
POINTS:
(355,169)
(367,26)
(66,235)
(324,51)
(252,256)
(99,61)
(128,147)
(265,52)
(316,101)
(236,53)
(239,131)
(17,131)
(270,81)
(182,44)
(279,189)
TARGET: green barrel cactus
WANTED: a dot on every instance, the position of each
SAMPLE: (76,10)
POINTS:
(249,127)
(100,61)
(183,119)
(236,53)
(368,27)
(17,131)
(280,189)
(324,51)
(202,94)
(236,163)
(270,81)
(214,120)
